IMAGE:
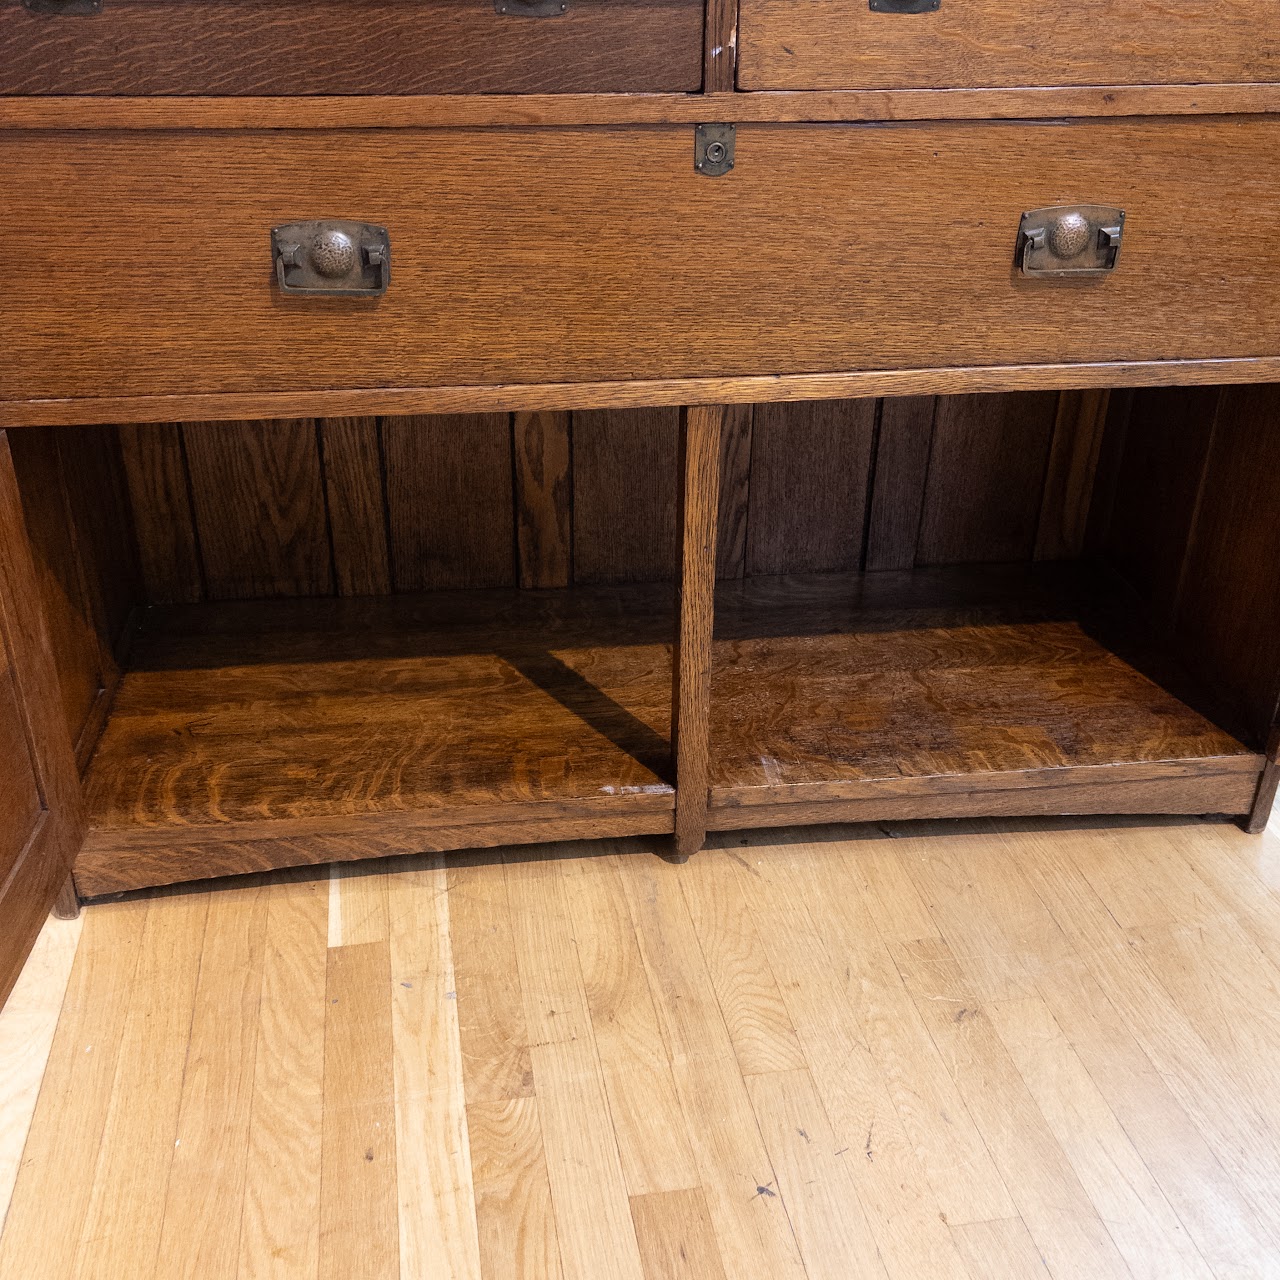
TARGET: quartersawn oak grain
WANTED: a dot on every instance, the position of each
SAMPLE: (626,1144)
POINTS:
(916,693)
(268,734)
(832,44)
(951,298)
(221,47)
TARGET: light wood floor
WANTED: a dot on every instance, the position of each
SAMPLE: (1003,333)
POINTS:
(929,1051)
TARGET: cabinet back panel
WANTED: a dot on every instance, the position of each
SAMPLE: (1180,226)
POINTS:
(363,506)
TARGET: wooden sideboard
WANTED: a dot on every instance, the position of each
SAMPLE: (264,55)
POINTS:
(371,373)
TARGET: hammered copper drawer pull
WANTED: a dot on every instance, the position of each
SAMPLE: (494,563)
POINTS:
(332,258)
(1070,240)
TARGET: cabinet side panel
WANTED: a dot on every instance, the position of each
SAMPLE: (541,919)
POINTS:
(34,743)
(1228,614)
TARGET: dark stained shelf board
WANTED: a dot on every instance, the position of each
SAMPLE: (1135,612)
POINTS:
(999,690)
(249,732)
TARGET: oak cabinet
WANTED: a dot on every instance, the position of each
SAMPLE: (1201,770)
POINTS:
(541,426)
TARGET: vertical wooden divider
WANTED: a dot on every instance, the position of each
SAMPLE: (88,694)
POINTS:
(697,516)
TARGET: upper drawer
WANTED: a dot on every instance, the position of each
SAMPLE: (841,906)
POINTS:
(965,44)
(285,47)
(143,263)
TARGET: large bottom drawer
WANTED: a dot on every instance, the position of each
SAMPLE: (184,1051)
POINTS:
(141,263)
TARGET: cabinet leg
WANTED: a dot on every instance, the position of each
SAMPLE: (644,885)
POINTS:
(1260,814)
(699,505)
(66,906)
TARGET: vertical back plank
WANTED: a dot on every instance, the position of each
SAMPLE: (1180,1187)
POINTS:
(986,477)
(352,459)
(695,621)
(901,472)
(544,498)
(624,495)
(1073,466)
(735,490)
(809,467)
(284,1151)
(163,521)
(259,504)
(449,496)
(359,1223)
(1157,487)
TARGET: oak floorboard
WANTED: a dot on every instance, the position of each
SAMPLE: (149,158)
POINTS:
(437,1201)
(677,1241)
(515,1217)
(280,1219)
(205,1195)
(1048,1194)
(28,1023)
(751,1226)
(359,1222)
(647,1117)
(584,1167)
(1099,1005)
(124,1222)
(890,1178)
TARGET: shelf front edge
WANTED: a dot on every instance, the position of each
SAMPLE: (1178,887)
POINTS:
(1220,784)
(652,393)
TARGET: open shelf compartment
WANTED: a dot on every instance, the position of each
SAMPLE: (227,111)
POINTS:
(965,690)
(252,735)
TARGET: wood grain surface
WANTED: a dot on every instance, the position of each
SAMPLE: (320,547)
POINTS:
(951,681)
(697,520)
(643,393)
(986,480)
(260,510)
(828,44)
(176,47)
(45,805)
(460,274)
(96,114)
(1052,1051)
(449,501)
(626,489)
(298,727)
(810,482)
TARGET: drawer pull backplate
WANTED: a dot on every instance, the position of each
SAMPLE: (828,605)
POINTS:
(332,258)
(1070,240)
(63,6)
(531,8)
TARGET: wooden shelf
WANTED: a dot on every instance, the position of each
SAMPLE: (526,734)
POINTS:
(247,736)
(953,692)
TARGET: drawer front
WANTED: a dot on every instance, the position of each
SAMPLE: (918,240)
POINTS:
(965,44)
(143,262)
(236,47)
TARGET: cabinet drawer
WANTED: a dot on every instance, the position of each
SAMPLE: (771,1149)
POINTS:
(964,44)
(237,47)
(143,262)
